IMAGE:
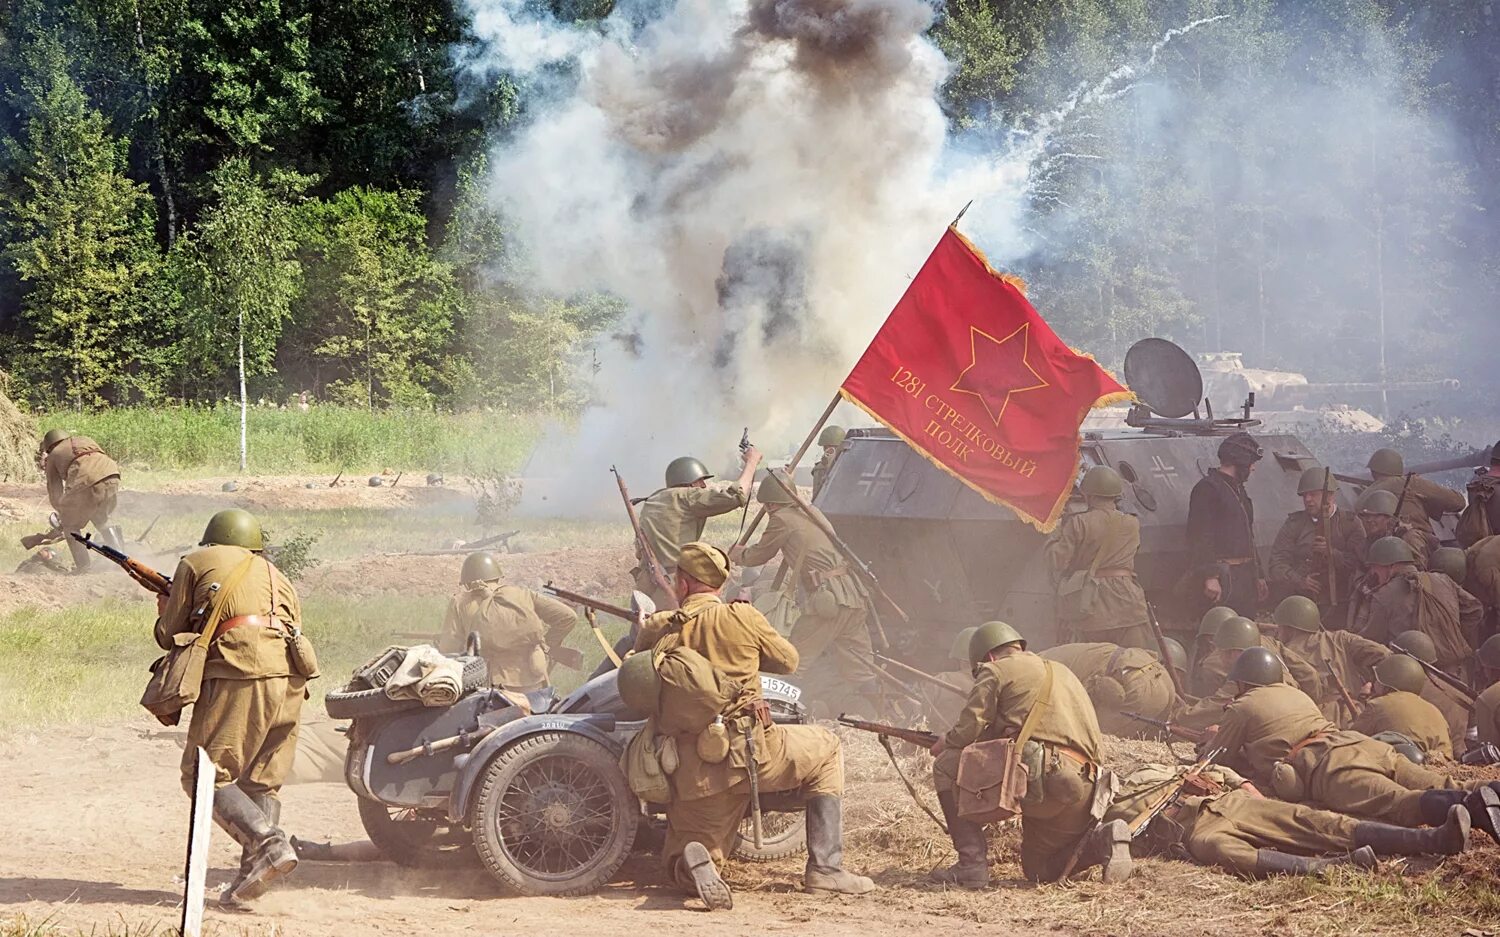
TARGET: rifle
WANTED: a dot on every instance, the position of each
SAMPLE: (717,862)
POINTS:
(138,571)
(648,556)
(586,602)
(1344,693)
(914,736)
(1161,644)
(1466,695)
(1166,725)
(461,740)
(907,691)
(859,565)
(752,764)
(919,674)
(1325,519)
(1401,501)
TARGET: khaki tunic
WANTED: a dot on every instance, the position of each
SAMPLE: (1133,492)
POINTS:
(1426,500)
(82,483)
(1340,770)
(1119,612)
(1450,616)
(1213,670)
(672,517)
(831,634)
(1294,558)
(1487,715)
(1445,698)
(710,800)
(516,629)
(1118,680)
(1067,728)
(247,714)
(1347,654)
(1410,715)
(1484,578)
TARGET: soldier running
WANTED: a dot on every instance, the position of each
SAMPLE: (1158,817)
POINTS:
(83,485)
(676,514)
(1221,531)
(1091,557)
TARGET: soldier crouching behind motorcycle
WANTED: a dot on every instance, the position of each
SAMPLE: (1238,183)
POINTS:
(711,652)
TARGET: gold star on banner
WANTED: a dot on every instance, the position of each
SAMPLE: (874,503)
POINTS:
(998,368)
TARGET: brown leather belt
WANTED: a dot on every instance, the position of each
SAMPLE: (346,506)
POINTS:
(229,624)
(821,576)
(1074,754)
(1237,560)
(1316,736)
(1115,574)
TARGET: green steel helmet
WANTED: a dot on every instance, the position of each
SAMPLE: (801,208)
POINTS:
(1400,672)
(1316,478)
(53,437)
(1101,481)
(1377,502)
(990,635)
(831,436)
(1388,551)
(1386,462)
(1299,613)
(233,527)
(1418,645)
(1452,562)
(1256,666)
(638,684)
(1177,657)
(1489,652)
(685,470)
(1213,618)
(960,649)
(1237,633)
(479,567)
(773,492)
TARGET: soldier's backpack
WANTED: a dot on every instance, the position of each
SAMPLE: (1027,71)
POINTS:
(1474,523)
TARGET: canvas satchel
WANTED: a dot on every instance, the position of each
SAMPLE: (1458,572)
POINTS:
(177,676)
(993,777)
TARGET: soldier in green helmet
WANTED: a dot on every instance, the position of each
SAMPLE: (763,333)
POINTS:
(1448,699)
(1395,596)
(1091,557)
(1234,635)
(1203,645)
(831,634)
(940,706)
(1396,706)
(830,440)
(83,485)
(1377,514)
(1426,500)
(676,514)
(246,716)
(1482,560)
(517,628)
(1317,551)
(1016,690)
(1487,704)
(1119,680)
(1299,628)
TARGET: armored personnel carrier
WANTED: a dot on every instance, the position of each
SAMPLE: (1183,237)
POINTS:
(952,559)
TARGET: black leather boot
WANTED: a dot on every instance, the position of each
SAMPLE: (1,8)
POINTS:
(1270,862)
(972,870)
(1449,839)
(270,855)
(1484,809)
(825,873)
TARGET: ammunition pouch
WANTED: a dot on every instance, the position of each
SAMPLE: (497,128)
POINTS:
(993,780)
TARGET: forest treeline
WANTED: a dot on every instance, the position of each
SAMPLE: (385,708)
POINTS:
(302,186)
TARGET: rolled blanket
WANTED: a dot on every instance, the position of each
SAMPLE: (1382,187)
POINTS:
(428,675)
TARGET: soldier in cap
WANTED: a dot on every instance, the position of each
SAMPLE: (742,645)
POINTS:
(1481,518)
(1312,539)
(1016,692)
(1275,735)
(1203,645)
(1377,514)
(1222,819)
(1447,698)
(254,681)
(1091,557)
(1352,658)
(1221,530)
(1396,596)
(517,627)
(710,797)
(1119,680)
(676,514)
(1487,704)
(1397,706)
(830,439)
(83,485)
(1426,500)
(831,635)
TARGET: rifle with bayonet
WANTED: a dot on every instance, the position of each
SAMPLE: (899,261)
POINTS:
(648,556)
(914,736)
(140,572)
(1161,644)
(1168,726)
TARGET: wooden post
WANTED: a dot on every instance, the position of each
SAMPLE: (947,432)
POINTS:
(200,822)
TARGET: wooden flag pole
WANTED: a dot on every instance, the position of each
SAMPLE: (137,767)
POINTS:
(200,821)
(791,466)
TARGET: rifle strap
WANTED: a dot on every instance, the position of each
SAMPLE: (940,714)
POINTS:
(885,743)
(1043,699)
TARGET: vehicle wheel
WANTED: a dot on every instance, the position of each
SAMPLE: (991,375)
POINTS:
(415,838)
(362,704)
(554,815)
(782,835)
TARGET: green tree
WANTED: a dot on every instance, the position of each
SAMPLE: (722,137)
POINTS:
(80,242)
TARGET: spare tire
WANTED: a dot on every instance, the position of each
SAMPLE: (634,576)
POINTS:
(362,704)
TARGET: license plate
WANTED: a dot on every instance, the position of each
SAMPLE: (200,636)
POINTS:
(780,688)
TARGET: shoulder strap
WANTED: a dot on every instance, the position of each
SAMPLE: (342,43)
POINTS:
(1042,700)
(221,599)
(1114,535)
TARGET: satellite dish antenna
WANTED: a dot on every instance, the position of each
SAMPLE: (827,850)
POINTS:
(1164,377)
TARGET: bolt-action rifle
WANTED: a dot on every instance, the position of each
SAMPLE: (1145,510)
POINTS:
(1182,732)
(140,572)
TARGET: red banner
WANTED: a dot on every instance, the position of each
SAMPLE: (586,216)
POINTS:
(968,373)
